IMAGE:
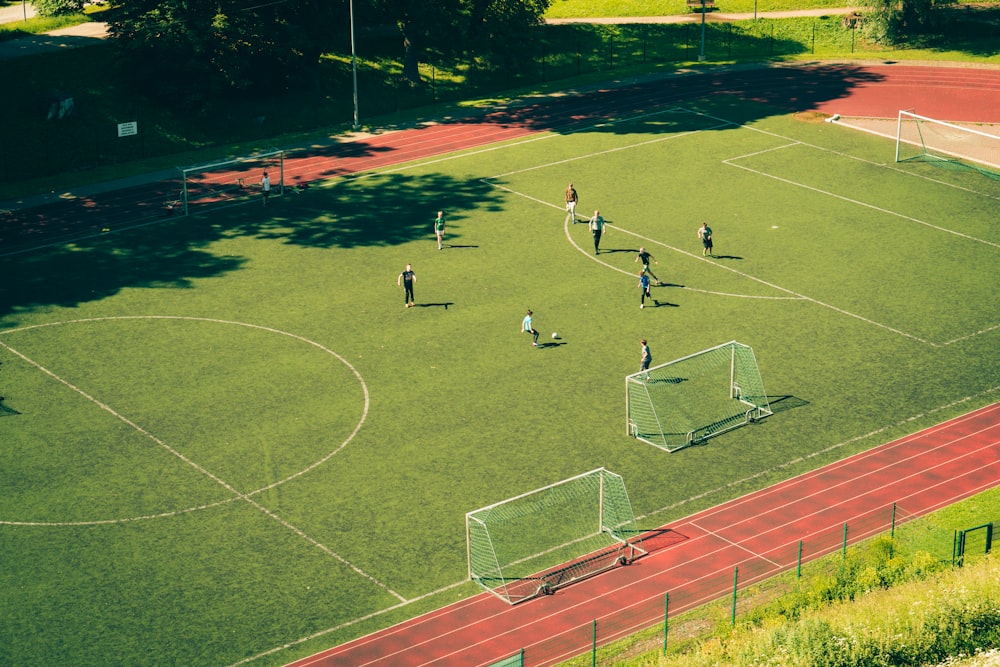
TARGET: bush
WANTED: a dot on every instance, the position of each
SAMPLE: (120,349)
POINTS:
(58,7)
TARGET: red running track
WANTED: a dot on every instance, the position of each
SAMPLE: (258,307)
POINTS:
(948,93)
(758,533)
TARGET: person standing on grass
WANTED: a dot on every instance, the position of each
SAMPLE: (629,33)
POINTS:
(644,287)
(705,234)
(439,229)
(597,229)
(571,200)
(646,359)
(528,327)
(265,187)
(406,279)
(645,258)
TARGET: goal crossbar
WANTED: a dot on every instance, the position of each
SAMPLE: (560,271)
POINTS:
(228,180)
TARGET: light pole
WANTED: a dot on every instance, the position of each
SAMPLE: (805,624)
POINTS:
(354,68)
(701,56)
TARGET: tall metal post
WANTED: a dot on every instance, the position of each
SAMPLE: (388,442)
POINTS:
(701,56)
(354,68)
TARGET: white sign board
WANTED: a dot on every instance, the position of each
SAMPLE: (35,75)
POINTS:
(128,129)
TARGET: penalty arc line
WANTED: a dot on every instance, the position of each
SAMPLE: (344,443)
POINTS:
(572,242)
(201,469)
(793,295)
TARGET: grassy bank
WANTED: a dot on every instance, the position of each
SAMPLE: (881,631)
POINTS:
(887,603)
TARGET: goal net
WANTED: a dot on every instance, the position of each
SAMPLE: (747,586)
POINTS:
(922,138)
(542,540)
(229,180)
(689,400)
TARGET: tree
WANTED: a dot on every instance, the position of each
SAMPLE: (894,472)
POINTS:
(58,7)
(186,51)
(891,20)
(471,26)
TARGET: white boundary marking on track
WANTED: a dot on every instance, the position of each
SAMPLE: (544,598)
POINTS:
(826,450)
(485,597)
(691,604)
(237,494)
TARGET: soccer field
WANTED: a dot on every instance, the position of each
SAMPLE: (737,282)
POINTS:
(224,435)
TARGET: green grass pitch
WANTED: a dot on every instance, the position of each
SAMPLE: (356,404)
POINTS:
(223,435)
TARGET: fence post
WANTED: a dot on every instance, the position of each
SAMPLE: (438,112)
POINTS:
(798,569)
(892,532)
(666,617)
(593,646)
(843,552)
(736,577)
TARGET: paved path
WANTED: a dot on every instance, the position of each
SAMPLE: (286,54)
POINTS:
(12,13)
(75,36)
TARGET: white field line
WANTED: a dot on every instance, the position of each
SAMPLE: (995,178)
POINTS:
(792,294)
(705,556)
(826,450)
(202,470)
(851,200)
(255,492)
(484,597)
(882,165)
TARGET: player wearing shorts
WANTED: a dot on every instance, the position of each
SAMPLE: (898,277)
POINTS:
(528,327)
(406,279)
(646,258)
(705,234)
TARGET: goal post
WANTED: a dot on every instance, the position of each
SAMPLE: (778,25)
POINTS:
(931,140)
(688,400)
(230,180)
(545,539)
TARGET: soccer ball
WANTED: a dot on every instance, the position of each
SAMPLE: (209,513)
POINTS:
(555,335)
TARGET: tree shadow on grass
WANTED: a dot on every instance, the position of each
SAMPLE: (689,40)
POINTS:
(161,256)
(384,210)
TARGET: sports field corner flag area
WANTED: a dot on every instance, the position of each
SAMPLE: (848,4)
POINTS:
(232,434)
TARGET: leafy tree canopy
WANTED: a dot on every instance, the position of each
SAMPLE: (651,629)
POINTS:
(57,7)
(190,50)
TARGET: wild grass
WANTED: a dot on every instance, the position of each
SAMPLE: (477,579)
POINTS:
(885,602)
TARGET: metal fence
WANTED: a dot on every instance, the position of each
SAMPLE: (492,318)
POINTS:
(654,614)
(87,138)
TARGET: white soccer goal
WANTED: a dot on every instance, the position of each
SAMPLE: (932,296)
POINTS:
(542,540)
(229,180)
(688,400)
(922,138)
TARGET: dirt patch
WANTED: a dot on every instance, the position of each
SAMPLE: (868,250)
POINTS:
(812,116)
